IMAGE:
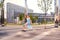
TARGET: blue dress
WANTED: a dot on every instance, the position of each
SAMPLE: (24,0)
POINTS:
(29,23)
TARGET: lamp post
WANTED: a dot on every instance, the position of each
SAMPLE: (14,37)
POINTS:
(26,8)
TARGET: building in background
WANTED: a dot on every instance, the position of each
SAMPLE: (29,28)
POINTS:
(11,10)
(14,10)
(13,7)
(41,16)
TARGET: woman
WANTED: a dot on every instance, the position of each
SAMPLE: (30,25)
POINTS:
(24,23)
(28,23)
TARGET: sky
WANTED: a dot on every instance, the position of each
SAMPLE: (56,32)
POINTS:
(1,1)
(35,7)
(32,4)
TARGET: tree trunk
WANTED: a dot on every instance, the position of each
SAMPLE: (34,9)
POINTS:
(45,20)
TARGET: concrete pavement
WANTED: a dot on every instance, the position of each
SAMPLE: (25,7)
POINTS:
(53,36)
(30,35)
(25,35)
(38,33)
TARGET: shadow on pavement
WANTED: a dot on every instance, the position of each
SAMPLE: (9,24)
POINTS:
(3,33)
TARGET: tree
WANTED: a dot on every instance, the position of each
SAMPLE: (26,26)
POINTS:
(2,12)
(1,4)
(45,6)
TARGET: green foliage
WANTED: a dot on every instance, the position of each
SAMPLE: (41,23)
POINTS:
(1,4)
(33,18)
(21,16)
(47,22)
(36,17)
(43,21)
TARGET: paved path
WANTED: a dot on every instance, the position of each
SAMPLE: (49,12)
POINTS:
(30,34)
(53,36)
(38,33)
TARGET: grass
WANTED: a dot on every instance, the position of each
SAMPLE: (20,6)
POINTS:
(31,24)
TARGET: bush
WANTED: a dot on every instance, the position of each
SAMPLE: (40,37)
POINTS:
(33,18)
(21,16)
